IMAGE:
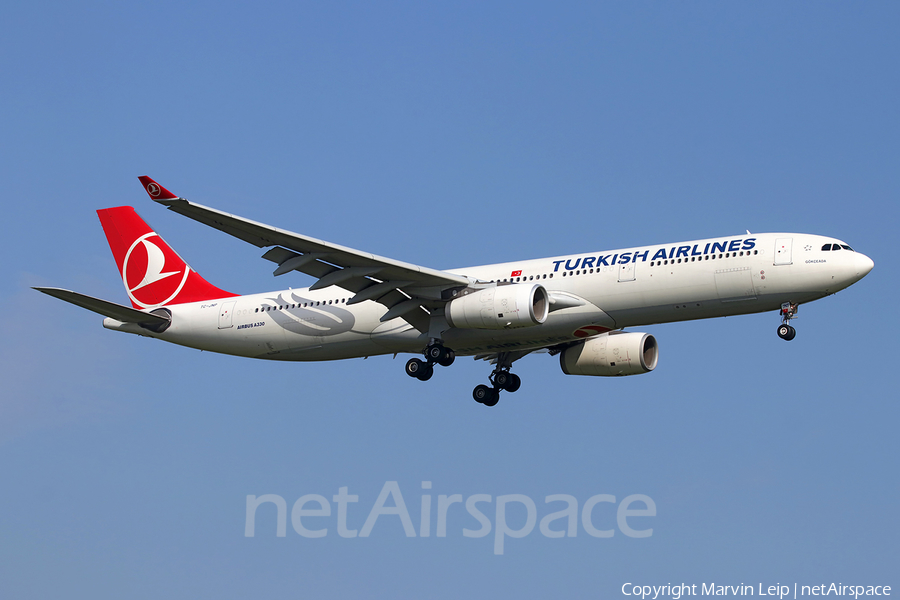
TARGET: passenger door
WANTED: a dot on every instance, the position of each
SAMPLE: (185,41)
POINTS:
(783,251)
(225,315)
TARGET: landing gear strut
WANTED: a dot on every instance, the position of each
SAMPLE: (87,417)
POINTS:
(788,312)
(434,353)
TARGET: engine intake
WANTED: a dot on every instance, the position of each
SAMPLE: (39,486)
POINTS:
(500,307)
(611,354)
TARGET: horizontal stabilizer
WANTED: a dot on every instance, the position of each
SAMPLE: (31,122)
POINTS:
(112,310)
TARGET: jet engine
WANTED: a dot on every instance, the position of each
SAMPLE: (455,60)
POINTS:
(500,307)
(611,354)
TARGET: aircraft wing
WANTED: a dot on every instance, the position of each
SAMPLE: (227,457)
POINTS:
(402,287)
(112,310)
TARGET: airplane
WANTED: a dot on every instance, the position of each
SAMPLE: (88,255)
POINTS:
(362,305)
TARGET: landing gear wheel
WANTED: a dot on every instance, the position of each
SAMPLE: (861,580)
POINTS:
(505,380)
(502,379)
(426,372)
(448,359)
(786,332)
(486,395)
(480,393)
(436,353)
(415,367)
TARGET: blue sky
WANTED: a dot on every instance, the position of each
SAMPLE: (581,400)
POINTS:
(445,136)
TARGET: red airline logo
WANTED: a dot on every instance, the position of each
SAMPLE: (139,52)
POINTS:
(156,191)
(146,280)
(515,273)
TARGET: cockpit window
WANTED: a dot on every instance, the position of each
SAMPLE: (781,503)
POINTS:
(828,247)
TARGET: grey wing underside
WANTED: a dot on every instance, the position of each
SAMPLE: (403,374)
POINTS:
(408,291)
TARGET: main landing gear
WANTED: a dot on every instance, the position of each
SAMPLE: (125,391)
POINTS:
(434,353)
(501,379)
(788,312)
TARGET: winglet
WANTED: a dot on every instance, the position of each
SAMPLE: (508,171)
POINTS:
(156,191)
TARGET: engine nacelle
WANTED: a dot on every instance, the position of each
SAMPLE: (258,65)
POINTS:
(611,354)
(500,307)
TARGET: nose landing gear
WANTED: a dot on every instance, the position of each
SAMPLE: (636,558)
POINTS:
(788,312)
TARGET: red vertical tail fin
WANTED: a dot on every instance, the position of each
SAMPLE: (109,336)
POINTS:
(154,275)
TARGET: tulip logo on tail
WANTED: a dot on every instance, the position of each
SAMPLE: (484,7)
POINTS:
(146,280)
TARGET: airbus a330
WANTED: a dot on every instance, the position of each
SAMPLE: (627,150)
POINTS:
(576,307)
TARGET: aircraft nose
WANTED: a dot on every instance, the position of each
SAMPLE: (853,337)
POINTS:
(864,264)
(850,268)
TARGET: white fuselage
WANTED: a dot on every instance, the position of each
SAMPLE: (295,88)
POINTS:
(602,291)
